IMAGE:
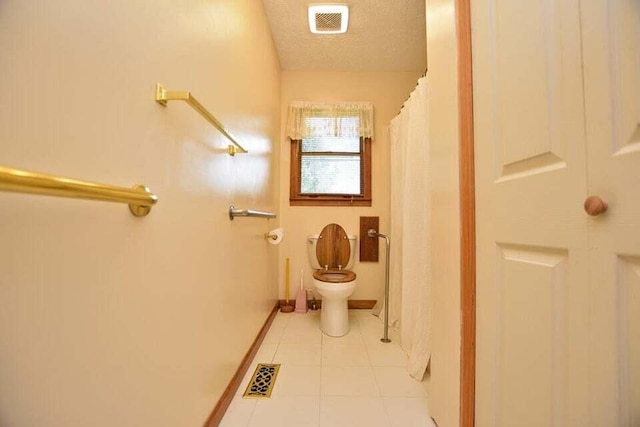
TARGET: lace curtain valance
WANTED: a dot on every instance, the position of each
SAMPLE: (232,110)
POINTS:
(345,119)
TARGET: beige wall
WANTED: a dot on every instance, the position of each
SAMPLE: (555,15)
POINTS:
(107,319)
(445,227)
(387,91)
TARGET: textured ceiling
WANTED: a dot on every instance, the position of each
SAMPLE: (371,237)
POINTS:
(383,35)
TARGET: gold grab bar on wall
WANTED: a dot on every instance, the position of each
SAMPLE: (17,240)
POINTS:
(139,198)
(163,95)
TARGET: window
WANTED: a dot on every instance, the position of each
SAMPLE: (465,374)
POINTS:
(330,154)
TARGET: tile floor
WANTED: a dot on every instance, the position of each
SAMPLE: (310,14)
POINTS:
(353,380)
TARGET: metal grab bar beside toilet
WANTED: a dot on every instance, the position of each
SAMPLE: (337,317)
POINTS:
(373,233)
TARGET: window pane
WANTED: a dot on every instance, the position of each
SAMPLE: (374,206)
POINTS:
(330,175)
(331,144)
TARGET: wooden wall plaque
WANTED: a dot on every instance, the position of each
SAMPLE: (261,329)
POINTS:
(369,245)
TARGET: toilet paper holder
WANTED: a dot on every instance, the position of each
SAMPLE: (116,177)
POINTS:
(275,236)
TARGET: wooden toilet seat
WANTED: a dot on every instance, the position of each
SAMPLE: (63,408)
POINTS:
(333,252)
(321,275)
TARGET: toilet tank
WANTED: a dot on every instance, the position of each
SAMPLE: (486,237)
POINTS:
(312,241)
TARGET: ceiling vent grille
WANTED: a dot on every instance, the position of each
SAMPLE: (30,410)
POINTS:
(328,19)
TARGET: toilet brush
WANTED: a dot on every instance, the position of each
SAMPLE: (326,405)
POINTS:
(301,298)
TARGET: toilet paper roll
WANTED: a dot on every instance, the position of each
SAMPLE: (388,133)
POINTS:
(275,236)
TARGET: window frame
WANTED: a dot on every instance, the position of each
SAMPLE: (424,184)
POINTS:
(296,198)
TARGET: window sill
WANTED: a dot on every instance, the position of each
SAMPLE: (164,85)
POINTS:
(328,201)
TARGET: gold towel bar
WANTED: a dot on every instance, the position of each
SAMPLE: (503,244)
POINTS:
(163,95)
(139,198)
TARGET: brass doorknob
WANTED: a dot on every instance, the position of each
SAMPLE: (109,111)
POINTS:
(594,206)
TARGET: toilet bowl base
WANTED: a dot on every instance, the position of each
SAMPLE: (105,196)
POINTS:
(334,317)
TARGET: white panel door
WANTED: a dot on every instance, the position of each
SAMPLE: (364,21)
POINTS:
(532,292)
(611,46)
(557,110)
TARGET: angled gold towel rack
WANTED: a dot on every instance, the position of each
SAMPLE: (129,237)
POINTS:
(139,198)
(163,95)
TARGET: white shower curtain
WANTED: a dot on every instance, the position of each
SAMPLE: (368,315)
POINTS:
(410,284)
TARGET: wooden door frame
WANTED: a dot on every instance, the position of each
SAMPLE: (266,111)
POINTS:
(467,216)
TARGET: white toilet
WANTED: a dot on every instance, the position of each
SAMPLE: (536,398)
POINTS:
(332,254)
